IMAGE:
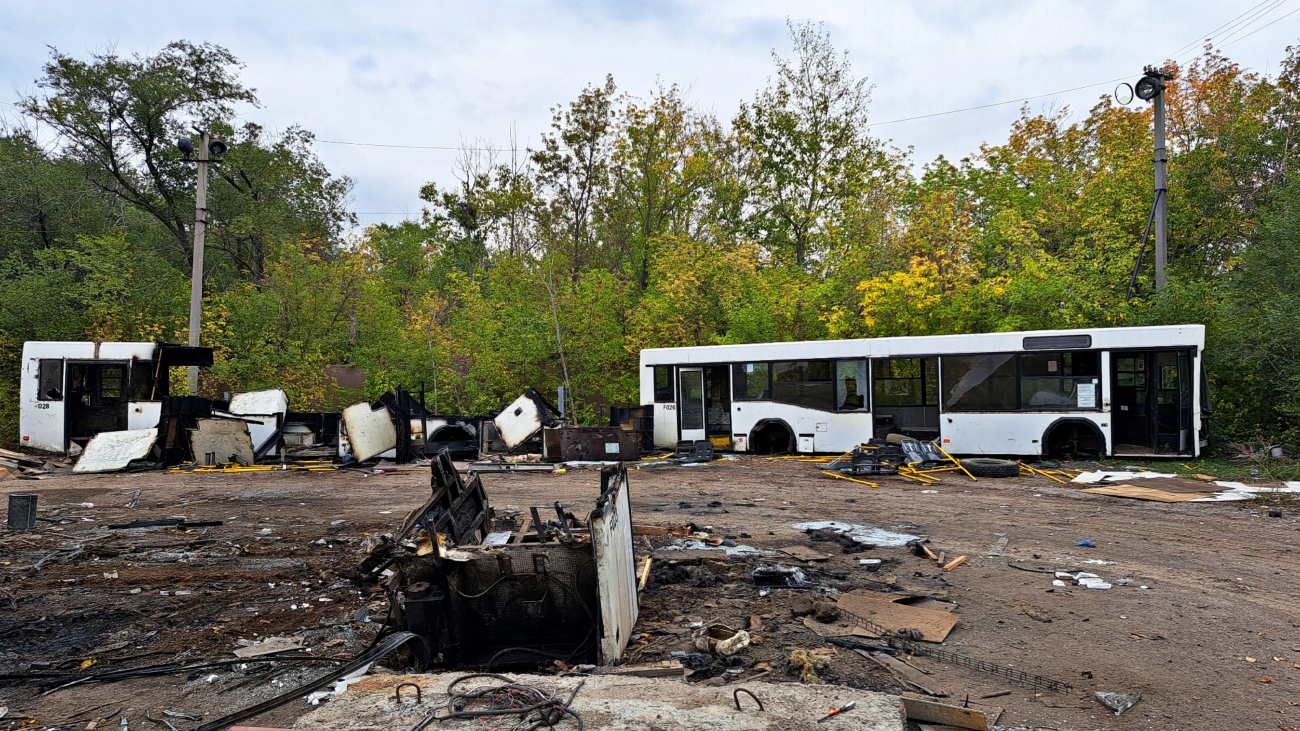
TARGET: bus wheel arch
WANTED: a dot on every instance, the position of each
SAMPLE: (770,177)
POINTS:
(771,436)
(1073,436)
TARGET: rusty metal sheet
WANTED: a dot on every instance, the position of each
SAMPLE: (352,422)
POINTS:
(590,443)
(227,440)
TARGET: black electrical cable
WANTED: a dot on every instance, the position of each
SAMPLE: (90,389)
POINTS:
(367,658)
(503,700)
(541,653)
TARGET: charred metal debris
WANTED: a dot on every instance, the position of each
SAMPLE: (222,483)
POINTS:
(490,591)
(257,431)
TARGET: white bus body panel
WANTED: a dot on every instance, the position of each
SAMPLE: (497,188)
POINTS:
(665,425)
(143,414)
(263,406)
(831,431)
(42,424)
(1014,433)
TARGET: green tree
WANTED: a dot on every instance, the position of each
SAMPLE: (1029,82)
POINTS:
(572,170)
(121,117)
(807,154)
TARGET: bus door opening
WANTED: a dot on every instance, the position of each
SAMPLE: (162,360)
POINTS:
(97,395)
(905,397)
(717,406)
(690,404)
(704,404)
(1151,402)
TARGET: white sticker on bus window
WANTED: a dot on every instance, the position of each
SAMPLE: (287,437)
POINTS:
(749,367)
(1087,394)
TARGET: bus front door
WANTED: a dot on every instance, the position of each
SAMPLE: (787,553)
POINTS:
(96,399)
(690,404)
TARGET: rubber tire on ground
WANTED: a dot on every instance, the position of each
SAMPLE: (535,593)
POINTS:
(986,467)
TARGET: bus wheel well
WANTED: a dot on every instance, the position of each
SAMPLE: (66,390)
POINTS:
(771,436)
(1073,436)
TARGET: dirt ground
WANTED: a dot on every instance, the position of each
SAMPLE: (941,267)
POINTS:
(1213,642)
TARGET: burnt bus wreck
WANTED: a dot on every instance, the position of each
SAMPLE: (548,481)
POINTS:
(486,591)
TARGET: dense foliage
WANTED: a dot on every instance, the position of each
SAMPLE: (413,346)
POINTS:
(642,222)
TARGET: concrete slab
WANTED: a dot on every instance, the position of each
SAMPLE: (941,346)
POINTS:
(611,701)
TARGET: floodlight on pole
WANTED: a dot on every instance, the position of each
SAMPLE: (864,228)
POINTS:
(1151,87)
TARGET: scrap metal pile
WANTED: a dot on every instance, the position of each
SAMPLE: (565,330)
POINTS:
(487,591)
(256,431)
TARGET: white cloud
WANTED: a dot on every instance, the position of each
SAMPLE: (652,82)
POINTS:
(451,73)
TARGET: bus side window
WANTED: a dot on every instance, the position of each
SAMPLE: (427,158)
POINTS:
(50,380)
(142,380)
(751,382)
(663,384)
(851,385)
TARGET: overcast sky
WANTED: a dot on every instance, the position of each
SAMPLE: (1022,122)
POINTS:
(445,74)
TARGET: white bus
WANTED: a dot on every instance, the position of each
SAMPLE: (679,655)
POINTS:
(1125,391)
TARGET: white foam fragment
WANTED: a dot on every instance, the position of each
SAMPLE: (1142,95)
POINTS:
(1104,476)
(860,533)
(1057,582)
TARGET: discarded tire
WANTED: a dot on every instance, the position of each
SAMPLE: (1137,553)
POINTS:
(986,467)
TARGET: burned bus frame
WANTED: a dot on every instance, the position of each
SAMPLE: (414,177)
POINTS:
(488,592)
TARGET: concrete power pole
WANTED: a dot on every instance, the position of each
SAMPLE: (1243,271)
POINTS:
(196,276)
(1162,188)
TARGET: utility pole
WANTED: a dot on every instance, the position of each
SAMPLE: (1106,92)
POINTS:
(1151,87)
(196,275)
(1162,187)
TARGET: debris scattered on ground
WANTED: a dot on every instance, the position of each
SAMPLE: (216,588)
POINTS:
(883,612)
(720,639)
(1117,702)
(863,535)
(1088,478)
(924,709)
(268,646)
(477,603)
(807,663)
(940,557)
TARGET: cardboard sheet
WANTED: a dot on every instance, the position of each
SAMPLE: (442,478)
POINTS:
(804,553)
(881,609)
(1146,493)
(839,628)
(922,709)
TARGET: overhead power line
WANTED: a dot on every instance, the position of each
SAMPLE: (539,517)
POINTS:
(1232,27)
(1228,27)
(1227,36)
(1253,32)
(997,104)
